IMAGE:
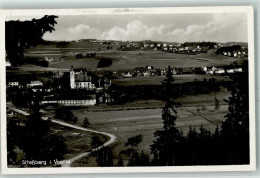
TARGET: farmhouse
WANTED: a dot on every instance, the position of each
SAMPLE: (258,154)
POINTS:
(238,70)
(149,67)
(181,49)
(13,84)
(209,72)
(230,71)
(34,84)
(128,75)
(219,71)
(7,64)
(163,71)
(146,45)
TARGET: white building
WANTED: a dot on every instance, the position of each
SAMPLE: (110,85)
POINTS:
(7,64)
(83,102)
(238,70)
(80,80)
(230,71)
(219,71)
(34,84)
(87,102)
(13,84)
(128,75)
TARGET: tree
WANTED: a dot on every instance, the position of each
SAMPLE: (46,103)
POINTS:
(104,62)
(235,129)
(75,119)
(64,114)
(86,123)
(37,142)
(120,162)
(14,133)
(96,142)
(136,159)
(216,103)
(164,148)
(24,34)
(105,157)
(133,142)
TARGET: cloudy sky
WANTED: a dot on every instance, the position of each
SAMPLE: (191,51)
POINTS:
(161,27)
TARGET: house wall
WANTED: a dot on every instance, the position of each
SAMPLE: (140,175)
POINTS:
(89,102)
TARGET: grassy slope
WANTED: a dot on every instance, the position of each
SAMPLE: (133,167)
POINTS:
(127,123)
(124,59)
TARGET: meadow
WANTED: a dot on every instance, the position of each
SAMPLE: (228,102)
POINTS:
(129,120)
(123,60)
(157,80)
(195,111)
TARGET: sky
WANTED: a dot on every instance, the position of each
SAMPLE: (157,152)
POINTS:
(217,27)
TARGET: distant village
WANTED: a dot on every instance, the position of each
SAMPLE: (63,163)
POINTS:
(96,84)
(80,80)
(180,48)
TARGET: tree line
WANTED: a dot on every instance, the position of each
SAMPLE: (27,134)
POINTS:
(228,144)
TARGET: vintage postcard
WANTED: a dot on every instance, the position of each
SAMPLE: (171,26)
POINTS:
(127,90)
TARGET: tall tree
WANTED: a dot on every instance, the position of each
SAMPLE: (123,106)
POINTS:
(235,129)
(105,157)
(133,142)
(96,142)
(165,147)
(37,142)
(24,34)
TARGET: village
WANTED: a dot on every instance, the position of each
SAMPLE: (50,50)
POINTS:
(127,90)
(79,79)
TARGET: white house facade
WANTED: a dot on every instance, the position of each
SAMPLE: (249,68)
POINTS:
(80,80)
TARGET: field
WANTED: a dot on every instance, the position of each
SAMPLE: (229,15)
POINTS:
(196,111)
(77,141)
(156,80)
(138,117)
(123,60)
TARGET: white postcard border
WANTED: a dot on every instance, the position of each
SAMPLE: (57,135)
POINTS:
(162,10)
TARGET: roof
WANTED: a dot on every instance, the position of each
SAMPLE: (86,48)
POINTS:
(82,77)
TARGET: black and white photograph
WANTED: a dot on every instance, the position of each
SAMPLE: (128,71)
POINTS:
(128,89)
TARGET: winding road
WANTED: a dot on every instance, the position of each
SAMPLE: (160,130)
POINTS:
(112,138)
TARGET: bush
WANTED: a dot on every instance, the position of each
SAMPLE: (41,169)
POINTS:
(86,123)
(104,62)
(64,114)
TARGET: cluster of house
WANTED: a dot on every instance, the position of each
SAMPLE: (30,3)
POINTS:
(219,70)
(28,85)
(141,71)
(176,48)
(236,54)
(78,80)
(151,71)
(49,59)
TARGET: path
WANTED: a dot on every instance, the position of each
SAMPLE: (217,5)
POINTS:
(112,138)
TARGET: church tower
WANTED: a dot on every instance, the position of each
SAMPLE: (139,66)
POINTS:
(72,78)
